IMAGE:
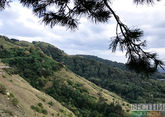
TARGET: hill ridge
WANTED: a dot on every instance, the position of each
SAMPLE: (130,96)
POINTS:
(83,98)
(132,87)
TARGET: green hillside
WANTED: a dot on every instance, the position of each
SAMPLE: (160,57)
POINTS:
(111,76)
(80,96)
(107,62)
(19,99)
(122,66)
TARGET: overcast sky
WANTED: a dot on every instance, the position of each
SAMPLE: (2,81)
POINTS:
(20,23)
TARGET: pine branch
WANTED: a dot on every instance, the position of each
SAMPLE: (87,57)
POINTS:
(145,1)
(4,3)
(129,40)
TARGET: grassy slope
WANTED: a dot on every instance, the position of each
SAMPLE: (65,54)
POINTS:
(130,86)
(26,96)
(65,75)
(93,89)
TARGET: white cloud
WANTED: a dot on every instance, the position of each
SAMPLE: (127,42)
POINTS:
(161,52)
(1,23)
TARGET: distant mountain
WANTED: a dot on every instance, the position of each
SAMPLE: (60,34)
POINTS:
(158,75)
(111,76)
(105,61)
(81,97)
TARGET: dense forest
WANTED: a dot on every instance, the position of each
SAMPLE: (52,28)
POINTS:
(112,76)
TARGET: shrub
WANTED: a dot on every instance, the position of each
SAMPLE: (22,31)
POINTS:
(8,111)
(44,111)
(36,108)
(40,105)
(11,95)
(41,98)
(2,89)
(15,101)
(51,103)
(52,114)
(39,108)
(3,76)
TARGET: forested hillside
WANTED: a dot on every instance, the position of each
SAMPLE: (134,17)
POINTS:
(111,76)
(158,75)
(107,62)
(80,96)
(19,99)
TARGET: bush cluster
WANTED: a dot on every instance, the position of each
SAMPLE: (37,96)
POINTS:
(39,108)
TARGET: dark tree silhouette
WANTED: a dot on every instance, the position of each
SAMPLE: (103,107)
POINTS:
(145,1)
(68,13)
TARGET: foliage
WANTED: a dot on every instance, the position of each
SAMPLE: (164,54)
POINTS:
(50,103)
(50,50)
(107,62)
(8,111)
(65,113)
(121,66)
(2,89)
(144,1)
(13,99)
(114,77)
(34,67)
(39,108)
(128,85)
(78,100)
(41,98)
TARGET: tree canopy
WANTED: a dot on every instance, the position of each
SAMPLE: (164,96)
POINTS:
(69,12)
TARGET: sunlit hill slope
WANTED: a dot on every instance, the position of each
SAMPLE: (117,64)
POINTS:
(59,91)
